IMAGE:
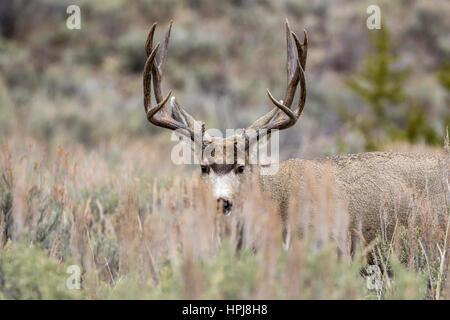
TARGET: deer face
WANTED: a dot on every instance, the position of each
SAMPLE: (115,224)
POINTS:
(224,181)
(224,172)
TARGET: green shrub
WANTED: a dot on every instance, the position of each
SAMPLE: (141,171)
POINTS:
(27,272)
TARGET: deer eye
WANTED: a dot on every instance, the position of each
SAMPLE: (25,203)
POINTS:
(240,169)
(204,169)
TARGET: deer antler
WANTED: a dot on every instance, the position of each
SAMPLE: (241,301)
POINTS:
(179,119)
(282,117)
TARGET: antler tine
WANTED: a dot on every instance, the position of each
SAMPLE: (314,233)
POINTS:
(302,98)
(148,76)
(302,48)
(282,117)
(281,106)
(163,56)
(149,42)
(163,121)
(290,61)
(179,114)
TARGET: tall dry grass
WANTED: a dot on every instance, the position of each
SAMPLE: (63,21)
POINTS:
(138,235)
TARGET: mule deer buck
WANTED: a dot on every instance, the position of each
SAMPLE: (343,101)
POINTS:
(366,181)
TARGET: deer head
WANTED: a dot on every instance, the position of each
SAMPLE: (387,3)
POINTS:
(224,162)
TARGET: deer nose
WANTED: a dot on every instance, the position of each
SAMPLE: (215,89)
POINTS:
(225,204)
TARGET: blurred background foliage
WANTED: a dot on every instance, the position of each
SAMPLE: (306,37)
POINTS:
(366,88)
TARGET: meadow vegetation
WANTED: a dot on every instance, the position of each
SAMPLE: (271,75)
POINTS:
(85,180)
